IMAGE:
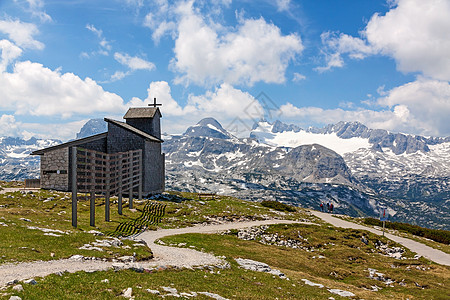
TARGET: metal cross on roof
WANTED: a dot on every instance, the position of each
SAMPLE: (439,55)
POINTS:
(154,104)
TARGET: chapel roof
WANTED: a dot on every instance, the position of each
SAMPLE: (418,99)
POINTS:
(141,112)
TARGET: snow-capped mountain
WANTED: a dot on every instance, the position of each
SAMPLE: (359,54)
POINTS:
(208,158)
(412,172)
(358,168)
(15,160)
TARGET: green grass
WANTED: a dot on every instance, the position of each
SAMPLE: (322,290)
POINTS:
(278,206)
(440,236)
(192,211)
(20,243)
(344,266)
(433,244)
(336,270)
(233,283)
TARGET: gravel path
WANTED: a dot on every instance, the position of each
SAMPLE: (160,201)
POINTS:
(164,255)
(432,254)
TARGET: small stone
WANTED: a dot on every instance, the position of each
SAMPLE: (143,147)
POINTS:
(118,266)
(30,281)
(105,281)
(126,258)
(76,257)
(170,289)
(12,282)
(15,298)
(18,288)
(154,292)
(127,293)
(26,220)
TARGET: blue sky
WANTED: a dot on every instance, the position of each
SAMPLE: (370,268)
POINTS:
(383,63)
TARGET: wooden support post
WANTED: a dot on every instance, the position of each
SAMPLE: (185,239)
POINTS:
(120,202)
(107,193)
(92,188)
(74,186)
(120,185)
(107,206)
(140,175)
(140,190)
(130,197)
(92,210)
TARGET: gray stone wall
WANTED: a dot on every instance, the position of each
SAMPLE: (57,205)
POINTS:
(120,140)
(154,168)
(55,170)
(149,125)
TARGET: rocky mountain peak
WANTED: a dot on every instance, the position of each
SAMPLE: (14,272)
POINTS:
(208,127)
(92,127)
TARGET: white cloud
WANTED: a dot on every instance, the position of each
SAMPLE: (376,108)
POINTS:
(419,107)
(413,32)
(62,131)
(209,53)
(256,51)
(416,34)
(298,77)
(104,44)
(334,60)
(21,33)
(32,89)
(36,8)
(423,104)
(225,103)
(118,75)
(9,52)
(8,126)
(134,63)
(283,5)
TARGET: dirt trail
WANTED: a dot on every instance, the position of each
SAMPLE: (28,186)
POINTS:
(432,254)
(164,255)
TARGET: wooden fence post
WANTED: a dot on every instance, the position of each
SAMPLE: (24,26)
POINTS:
(140,175)
(74,186)
(107,192)
(120,185)
(92,200)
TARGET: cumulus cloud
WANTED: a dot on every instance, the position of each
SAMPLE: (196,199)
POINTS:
(209,53)
(9,52)
(424,104)
(413,32)
(416,34)
(419,107)
(225,103)
(35,90)
(8,126)
(256,51)
(21,33)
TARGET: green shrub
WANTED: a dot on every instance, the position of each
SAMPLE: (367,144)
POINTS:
(278,206)
(441,236)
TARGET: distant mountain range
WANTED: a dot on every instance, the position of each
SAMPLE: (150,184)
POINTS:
(358,168)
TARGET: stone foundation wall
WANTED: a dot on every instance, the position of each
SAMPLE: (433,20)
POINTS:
(55,170)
